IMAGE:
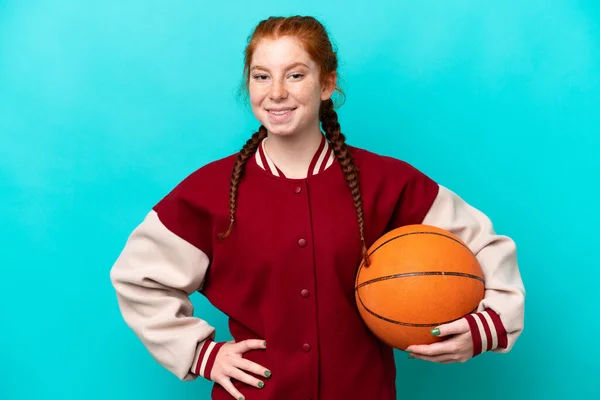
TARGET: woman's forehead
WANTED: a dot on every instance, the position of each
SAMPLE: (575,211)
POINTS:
(280,53)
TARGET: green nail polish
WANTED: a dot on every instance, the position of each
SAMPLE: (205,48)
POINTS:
(268,374)
(261,385)
(435,332)
(241,398)
(411,355)
(265,344)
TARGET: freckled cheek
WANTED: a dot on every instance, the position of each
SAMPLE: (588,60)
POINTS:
(256,104)
(308,99)
(257,96)
(303,97)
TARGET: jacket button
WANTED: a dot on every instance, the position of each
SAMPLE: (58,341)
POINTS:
(302,242)
(304,293)
(298,189)
(306,347)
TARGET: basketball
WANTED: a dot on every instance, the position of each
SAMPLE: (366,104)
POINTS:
(419,277)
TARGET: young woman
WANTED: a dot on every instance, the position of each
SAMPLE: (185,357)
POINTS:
(273,236)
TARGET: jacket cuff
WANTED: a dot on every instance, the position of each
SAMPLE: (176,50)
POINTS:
(487,331)
(205,357)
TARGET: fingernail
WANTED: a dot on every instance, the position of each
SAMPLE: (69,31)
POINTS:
(265,344)
(411,355)
(435,332)
(268,374)
(261,384)
(241,398)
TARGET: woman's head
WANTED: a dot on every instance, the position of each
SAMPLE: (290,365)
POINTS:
(290,64)
(290,69)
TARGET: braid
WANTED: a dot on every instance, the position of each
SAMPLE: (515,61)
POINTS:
(331,126)
(238,170)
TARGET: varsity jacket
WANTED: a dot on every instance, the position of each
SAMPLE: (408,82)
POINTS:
(286,273)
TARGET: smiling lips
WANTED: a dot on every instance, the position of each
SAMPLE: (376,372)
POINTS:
(280,114)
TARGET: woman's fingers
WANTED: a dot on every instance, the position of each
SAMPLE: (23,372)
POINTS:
(228,386)
(247,365)
(229,364)
(442,358)
(241,376)
(250,344)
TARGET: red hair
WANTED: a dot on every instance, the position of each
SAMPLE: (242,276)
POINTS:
(311,34)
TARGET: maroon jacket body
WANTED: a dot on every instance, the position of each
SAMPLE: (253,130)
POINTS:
(285,274)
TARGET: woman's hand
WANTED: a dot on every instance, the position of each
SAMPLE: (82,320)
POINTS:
(458,347)
(229,364)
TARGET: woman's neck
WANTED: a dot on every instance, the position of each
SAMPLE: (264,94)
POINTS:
(293,154)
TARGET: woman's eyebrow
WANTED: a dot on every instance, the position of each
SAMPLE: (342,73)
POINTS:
(293,65)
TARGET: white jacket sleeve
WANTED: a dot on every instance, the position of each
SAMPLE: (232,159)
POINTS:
(500,317)
(153,277)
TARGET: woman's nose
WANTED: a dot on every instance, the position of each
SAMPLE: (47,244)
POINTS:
(278,91)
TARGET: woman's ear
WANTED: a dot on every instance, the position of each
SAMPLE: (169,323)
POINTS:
(329,86)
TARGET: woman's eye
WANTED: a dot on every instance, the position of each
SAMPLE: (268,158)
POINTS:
(262,77)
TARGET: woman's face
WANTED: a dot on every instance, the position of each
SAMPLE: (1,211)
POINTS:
(284,87)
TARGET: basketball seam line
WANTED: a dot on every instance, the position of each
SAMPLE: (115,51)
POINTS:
(409,274)
(409,323)
(419,233)
(409,234)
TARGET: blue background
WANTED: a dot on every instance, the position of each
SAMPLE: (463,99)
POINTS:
(106,105)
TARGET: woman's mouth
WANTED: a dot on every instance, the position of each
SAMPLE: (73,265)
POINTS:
(280,114)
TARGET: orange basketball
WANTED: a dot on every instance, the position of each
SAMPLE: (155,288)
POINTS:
(419,277)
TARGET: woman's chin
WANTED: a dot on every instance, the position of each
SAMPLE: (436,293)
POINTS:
(280,130)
